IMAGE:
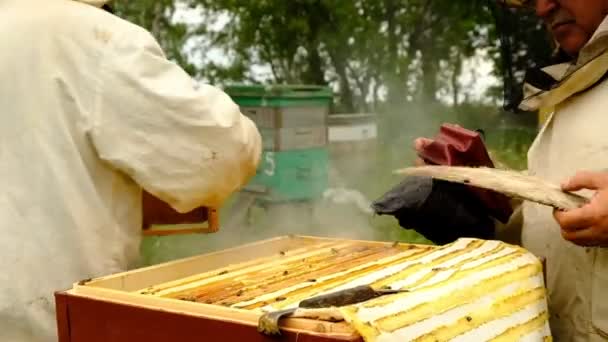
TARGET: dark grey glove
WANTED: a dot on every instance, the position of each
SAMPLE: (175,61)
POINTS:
(441,211)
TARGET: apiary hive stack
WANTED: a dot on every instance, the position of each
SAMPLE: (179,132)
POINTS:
(293,123)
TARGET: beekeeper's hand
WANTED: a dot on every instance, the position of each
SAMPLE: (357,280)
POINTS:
(419,145)
(588,225)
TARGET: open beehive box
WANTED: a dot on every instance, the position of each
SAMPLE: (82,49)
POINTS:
(470,289)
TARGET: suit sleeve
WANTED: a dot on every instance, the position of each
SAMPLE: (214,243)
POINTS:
(187,144)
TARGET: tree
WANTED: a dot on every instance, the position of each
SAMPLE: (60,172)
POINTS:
(522,42)
(370,52)
(157,17)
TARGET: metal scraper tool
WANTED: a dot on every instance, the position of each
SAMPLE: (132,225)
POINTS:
(511,183)
(321,307)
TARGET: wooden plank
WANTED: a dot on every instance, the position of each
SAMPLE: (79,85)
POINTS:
(263,117)
(93,320)
(304,116)
(260,272)
(510,183)
(296,138)
(212,225)
(273,279)
(222,277)
(230,269)
(236,299)
(234,270)
(62,316)
(153,275)
(237,316)
(326,282)
(159,274)
(367,242)
(289,117)
(156,212)
(297,294)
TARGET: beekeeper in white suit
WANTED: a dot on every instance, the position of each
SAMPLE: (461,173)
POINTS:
(92,112)
(571,148)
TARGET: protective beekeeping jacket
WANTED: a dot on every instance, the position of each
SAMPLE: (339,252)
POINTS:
(92,112)
(575,137)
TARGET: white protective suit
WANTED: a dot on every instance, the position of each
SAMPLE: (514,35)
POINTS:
(92,112)
(574,138)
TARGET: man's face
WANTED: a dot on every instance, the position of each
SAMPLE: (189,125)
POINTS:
(572,22)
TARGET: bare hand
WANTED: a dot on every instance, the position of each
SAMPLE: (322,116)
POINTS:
(587,226)
(419,145)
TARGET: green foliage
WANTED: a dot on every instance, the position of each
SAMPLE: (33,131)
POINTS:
(360,47)
(157,17)
(373,53)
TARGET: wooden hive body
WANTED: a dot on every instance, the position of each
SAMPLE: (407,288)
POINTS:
(470,289)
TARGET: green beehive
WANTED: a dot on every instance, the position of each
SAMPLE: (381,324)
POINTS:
(293,123)
(280,96)
(292,175)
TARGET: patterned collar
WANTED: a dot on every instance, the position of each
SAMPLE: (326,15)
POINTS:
(551,85)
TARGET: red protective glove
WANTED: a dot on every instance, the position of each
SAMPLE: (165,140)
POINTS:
(457,146)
